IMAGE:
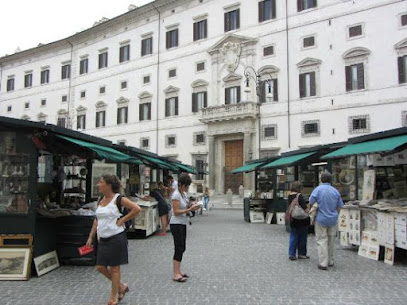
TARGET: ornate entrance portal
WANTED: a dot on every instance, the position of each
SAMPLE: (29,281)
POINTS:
(233,159)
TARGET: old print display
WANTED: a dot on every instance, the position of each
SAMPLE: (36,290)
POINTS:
(45,263)
(343,220)
(389,254)
(99,169)
(15,263)
(369,181)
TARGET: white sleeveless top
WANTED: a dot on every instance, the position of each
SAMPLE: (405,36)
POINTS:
(182,198)
(107,217)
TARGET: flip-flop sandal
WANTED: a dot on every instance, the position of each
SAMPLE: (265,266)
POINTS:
(185,275)
(123,293)
(180,280)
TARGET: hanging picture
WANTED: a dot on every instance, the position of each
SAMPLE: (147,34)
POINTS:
(369,181)
(15,263)
(45,263)
(99,169)
(344,241)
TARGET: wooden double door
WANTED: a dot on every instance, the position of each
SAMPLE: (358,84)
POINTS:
(233,159)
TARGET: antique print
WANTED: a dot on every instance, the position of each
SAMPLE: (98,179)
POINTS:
(45,263)
(15,263)
(389,254)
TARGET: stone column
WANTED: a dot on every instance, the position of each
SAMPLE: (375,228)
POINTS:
(211,162)
(247,147)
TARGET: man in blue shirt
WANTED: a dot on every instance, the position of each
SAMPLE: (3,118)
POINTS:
(326,221)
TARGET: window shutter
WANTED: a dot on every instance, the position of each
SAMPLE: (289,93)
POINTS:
(104,118)
(205,25)
(402,70)
(167,107)
(78,122)
(238,18)
(176,105)
(348,76)
(273,9)
(302,85)
(275,90)
(168,39)
(126,113)
(121,56)
(226,20)
(195,31)
(100,61)
(263,95)
(227,96)
(118,115)
(143,47)
(140,112)
(238,94)
(261,9)
(361,76)
(176,37)
(97,119)
(149,111)
(84,122)
(313,84)
(205,99)
(314,3)
(194,102)
(299,5)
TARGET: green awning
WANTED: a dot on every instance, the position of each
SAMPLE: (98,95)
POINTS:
(160,163)
(285,161)
(186,168)
(103,151)
(369,147)
(247,168)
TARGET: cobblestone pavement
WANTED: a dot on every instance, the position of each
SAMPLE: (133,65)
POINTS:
(229,262)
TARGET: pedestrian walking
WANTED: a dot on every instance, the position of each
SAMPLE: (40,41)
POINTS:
(163,208)
(178,224)
(326,220)
(112,246)
(206,199)
(299,227)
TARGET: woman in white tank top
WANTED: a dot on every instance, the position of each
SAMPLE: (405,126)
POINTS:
(109,225)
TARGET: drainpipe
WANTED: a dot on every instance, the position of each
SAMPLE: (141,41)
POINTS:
(288,75)
(69,88)
(158,74)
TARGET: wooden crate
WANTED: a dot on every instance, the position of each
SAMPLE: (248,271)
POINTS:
(16,240)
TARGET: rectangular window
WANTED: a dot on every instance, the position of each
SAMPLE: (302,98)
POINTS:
(171,106)
(307,84)
(199,165)
(124,53)
(232,20)
(123,85)
(102,90)
(267,51)
(355,79)
(61,122)
(171,141)
(172,39)
(83,94)
(10,84)
(27,105)
(269,91)
(83,66)
(9,108)
(28,80)
(122,115)
(145,111)
(145,143)
(310,128)
(305,4)
(309,42)
(199,101)
(269,132)
(81,122)
(45,76)
(199,138)
(402,65)
(359,124)
(146,79)
(147,46)
(103,60)
(267,10)
(64,98)
(43,102)
(403,20)
(355,30)
(232,95)
(200,30)
(200,66)
(100,119)
(66,71)
(172,73)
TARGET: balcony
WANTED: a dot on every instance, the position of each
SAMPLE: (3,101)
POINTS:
(243,110)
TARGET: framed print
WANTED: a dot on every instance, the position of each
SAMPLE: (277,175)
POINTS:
(99,169)
(15,263)
(269,217)
(45,263)
(369,182)
(389,254)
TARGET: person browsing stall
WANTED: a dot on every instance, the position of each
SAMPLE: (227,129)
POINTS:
(112,249)
(178,224)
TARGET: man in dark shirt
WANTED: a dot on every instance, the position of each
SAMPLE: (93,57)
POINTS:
(162,208)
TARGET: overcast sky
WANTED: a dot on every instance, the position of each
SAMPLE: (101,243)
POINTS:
(26,23)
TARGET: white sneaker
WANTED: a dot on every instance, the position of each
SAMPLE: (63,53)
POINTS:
(204,209)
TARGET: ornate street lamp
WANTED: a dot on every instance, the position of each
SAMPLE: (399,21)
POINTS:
(250,73)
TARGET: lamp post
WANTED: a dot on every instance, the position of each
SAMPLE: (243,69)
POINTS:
(250,73)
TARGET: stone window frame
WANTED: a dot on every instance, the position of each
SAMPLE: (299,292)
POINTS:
(263,132)
(228,9)
(28,79)
(62,98)
(13,79)
(169,72)
(401,50)
(167,145)
(100,106)
(123,45)
(125,81)
(314,134)
(145,98)
(84,58)
(42,117)
(149,79)
(358,131)
(145,37)
(357,55)
(27,106)
(199,156)
(46,72)
(198,63)
(273,45)
(309,65)
(399,20)
(26,117)
(82,94)
(43,104)
(348,27)
(195,134)
(62,114)
(100,87)
(141,143)
(196,20)
(315,45)
(404,118)
(9,108)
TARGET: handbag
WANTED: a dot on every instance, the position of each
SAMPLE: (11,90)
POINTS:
(297,211)
(85,250)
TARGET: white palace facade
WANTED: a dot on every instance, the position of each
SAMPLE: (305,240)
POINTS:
(169,77)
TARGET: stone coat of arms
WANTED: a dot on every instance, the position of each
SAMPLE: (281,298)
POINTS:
(231,54)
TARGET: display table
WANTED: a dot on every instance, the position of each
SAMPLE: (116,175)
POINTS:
(147,221)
